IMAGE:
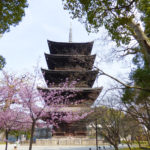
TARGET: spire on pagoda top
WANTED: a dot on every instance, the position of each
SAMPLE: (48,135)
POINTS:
(70,33)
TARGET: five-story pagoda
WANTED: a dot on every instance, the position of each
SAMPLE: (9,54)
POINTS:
(74,62)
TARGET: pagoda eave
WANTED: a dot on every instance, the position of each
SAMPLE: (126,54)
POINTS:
(87,96)
(84,78)
(70,48)
(74,62)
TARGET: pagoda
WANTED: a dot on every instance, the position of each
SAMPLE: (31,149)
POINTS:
(74,62)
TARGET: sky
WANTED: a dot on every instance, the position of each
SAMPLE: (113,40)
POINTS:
(24,46)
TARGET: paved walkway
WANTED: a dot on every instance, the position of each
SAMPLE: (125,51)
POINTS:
(10,147)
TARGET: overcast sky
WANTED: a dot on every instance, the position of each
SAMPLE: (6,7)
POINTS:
(26,43)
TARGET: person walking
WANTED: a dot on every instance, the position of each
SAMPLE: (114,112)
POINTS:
(15,147)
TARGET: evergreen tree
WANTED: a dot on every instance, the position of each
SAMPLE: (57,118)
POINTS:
(2,62)
(11,13)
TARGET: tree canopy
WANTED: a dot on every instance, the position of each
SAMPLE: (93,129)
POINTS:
(125,21)
(2,62)
(11,13)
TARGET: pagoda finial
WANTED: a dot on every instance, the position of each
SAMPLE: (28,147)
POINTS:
(70,33)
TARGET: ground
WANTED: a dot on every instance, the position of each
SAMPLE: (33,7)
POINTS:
(10,147)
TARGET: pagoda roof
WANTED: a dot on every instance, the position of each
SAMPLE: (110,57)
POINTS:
(70,48)
(65,62)
(87,96)
(83,78)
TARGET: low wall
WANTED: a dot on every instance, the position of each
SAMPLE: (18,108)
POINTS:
(65,141)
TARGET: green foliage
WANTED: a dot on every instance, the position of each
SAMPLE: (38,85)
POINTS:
(2,62)
(140,76)
(138,60)
(144,7)
(113,15)
(136,148)
(11,12)
(18,133)
(109,120)
(128,95)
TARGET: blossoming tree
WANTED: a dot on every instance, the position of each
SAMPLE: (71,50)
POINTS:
(48,107)
(25,106)
(13,120)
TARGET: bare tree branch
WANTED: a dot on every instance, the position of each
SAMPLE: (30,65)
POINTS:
(101,72)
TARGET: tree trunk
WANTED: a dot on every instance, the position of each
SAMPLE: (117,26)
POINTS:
(116,147)
(148,139)
(96,135)
(142,39)
(31,138)
(128,144)
(6,135)
(147,136)
(138,141)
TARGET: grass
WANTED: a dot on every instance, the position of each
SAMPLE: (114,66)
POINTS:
(135,142)
(137,148)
